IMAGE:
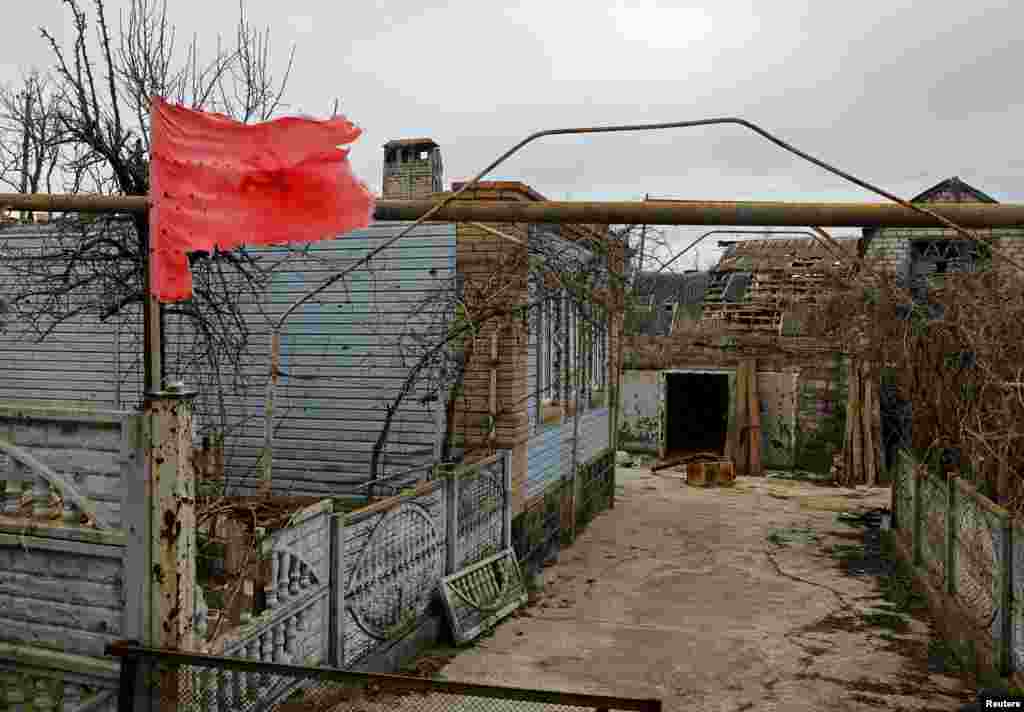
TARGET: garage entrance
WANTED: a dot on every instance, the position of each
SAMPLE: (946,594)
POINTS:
(696,412)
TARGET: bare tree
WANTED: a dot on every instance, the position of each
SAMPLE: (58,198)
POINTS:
(84,127)
(437,351)
(29,145)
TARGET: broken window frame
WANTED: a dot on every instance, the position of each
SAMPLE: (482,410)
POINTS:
(963,256)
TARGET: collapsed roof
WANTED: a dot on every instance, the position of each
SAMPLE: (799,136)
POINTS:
(755,280)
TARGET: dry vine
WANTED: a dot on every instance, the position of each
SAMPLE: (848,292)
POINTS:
(951,349)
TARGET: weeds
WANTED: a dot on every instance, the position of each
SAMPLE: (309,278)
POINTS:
(793,535)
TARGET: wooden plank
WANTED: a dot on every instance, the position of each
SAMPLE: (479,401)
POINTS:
(742,457)
(856,472)
(870,449)
(754,408)
(876,429)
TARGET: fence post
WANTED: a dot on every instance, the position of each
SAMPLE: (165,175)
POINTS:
(916,543)
(1006,594)
(452,523)
(950,553)
(128,678)
(170,554)
(506,515)
(336,635)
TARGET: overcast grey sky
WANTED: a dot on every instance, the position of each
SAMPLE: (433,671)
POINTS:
(902,93)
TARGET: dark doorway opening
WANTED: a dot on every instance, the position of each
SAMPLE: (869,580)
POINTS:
(697,412)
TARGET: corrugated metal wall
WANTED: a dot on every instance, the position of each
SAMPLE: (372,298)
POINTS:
(83,361)
(346,354)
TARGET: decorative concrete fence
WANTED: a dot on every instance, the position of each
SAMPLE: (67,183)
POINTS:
(394,553)
(970,555)
(342,587)
(66,586)
(88,532)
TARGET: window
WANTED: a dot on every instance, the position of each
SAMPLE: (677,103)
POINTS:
(928,257)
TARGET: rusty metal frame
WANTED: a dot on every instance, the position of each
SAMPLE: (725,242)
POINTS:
(134,657)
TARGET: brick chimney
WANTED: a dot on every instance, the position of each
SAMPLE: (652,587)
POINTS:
(412,169)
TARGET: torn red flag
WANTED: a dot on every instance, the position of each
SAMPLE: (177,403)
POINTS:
(215,182)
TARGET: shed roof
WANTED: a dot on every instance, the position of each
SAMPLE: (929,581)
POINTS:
(755,280)
(784,254)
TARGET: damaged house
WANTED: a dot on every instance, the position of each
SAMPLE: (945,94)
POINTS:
(366,401)
(345,357)
(679,385)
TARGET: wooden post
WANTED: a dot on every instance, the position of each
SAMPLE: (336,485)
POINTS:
(742,452)
(853,416)
(754,411)
(870,454)
(171,554)
(881,466)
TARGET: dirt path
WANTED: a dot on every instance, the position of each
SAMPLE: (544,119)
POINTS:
(717,599)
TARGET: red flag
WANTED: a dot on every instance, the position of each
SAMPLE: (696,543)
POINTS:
(215,182)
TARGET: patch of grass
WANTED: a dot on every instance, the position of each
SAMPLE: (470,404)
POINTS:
(793,535)
(945,654)
(890,621)
(799,476)
(898,588)
(845,551)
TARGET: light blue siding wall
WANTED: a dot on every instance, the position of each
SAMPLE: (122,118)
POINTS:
(593,434)
(543,461)
(346,356)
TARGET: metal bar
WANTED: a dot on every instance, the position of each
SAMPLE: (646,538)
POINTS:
(126,683)
(387,682)
(681,212)
(774,214)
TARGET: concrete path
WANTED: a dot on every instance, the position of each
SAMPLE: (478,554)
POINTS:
(716,599)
